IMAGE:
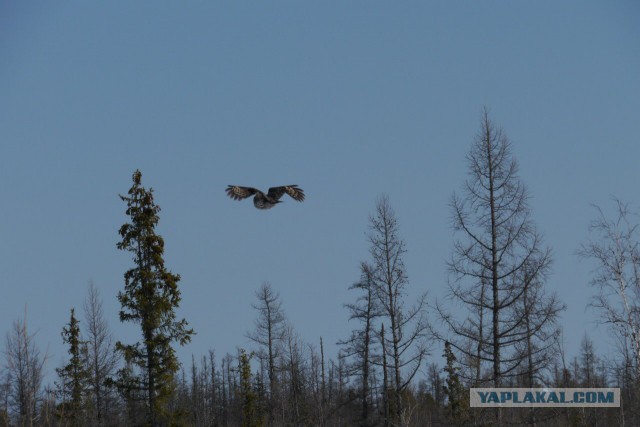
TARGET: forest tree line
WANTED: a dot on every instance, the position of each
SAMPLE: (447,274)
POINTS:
(499,328)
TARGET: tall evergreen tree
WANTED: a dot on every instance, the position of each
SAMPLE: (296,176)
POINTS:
(457,403)
(150,298)
(250,415)
(74,376)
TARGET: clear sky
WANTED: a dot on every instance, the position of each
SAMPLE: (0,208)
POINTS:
(346,99)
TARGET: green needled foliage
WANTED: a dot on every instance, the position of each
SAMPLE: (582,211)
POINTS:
(250,414)
(150,298)
(457,404)
(74,376)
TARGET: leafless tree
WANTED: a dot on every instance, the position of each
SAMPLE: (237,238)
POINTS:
(498,267)
(385,379)
(359,347)
(204,404)
(5,388)
(322,408)
(102,358)
(406,336)
(588,362)
(614,247)
(323,385)
(536,342)
(269,335)
(25,367)
(294,367)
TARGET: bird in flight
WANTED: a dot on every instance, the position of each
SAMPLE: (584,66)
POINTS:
(265,201)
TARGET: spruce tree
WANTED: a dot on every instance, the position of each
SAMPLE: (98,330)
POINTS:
(455,408)
(150,298)
(74,376)
(250,416)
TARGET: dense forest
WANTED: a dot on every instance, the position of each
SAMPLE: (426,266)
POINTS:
(500,328)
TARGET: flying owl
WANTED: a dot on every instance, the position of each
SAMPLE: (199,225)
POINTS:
(265,201)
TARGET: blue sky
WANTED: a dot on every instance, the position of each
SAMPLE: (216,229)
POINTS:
(349,100)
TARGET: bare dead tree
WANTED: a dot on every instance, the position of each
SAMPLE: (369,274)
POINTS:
(385,379)
(323,385)
(25,367)
(536,342)
(269,335)
(359,347)
(315,384)
(293,362)
(498,267)
(203,403)
(316,388)
(198,395)
(212,392)
(406,340)
(5,387)
(614,247)
(102,358)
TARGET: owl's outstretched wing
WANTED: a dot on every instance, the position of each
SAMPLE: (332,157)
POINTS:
(238,193)
(292,190)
